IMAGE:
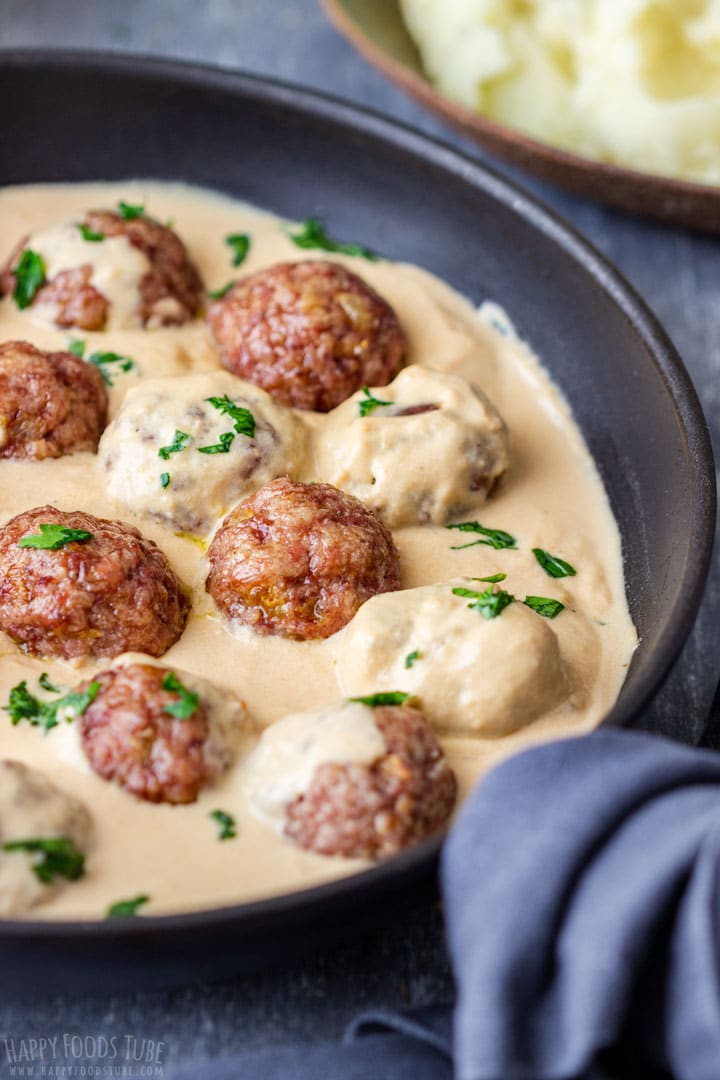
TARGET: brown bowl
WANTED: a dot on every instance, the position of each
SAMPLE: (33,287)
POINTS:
(377,30)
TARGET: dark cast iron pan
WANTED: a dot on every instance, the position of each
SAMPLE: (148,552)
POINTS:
(84,116)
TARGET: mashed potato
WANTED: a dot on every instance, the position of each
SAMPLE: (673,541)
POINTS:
(633,82)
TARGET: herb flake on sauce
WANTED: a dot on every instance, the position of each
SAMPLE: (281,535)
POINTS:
(29,277)
(243,419)
(126,909)
(22,705)
(490,603)
(187,702)
(130,211)
(544,606)
(412,658)
(377,701)
(368,403)
(553,565)
(312,235)
(180,442)
(239,243)
(494,538)
(218,294)
(58,857)
(226,822)
(222,446)
(90,235)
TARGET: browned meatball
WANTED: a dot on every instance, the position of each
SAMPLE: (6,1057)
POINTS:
(170,292)
(51,403)
(298,560)
(130,737)
(310,333)
(99,596)
(372,811)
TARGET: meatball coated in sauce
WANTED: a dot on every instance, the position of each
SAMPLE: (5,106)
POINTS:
(432,449)
(474,675)
(351,780)
(130,737)
(135,273)
(51,403)
(191,487)
(310,333)
(34,808)
(109,594)
(298,560)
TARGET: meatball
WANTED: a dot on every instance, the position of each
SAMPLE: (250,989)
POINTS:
(51,403)
(161,735)
(31,809)
(98,595)
(298,560)
(473,675)
(232,440)
(433,448)
(107,272)
(351,780)
(310,333)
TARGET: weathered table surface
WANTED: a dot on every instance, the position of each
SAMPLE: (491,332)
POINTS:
(679,275)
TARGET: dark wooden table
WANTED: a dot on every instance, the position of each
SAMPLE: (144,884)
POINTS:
(403,964)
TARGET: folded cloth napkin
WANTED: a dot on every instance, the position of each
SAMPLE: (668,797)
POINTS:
(582,893)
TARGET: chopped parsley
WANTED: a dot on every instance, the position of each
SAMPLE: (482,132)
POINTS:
(412,658)
(52,537)
(77,347)
(129,211)
(312,235)
(490,603)
(376,701)
(240,244)
(126,909)
(164,480)
(217,294)
(544,606)
(222,446)
(90,235)
(493,579)
(243,419)
(47,685)
(59,857)
(22,705)
(553,565)
(226,823)
(29,277)
(187,702)
(494,538)
(368,402)
(180,442)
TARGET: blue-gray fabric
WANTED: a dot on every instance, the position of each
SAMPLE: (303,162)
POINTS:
(582,894)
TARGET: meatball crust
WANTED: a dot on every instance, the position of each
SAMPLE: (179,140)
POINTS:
(51,403)
(129,736)
(372,811)
(112,593)
(168,287)
(171,291)
(298,560)
(310,333)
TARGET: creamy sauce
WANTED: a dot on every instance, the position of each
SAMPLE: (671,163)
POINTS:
(551,497)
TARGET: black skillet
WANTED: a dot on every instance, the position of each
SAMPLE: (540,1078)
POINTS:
(83,116)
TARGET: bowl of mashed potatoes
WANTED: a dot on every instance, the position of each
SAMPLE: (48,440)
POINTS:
(615,99)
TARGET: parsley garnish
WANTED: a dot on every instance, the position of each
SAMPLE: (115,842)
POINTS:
(222,446)
(412,657)
(243,419)
(494,538)
(490,603)
(52,536)
(47,685)
(164,479)
(22,705)
(553,565)
(226,823)
(29,277)
(375,701)
(60,857)
(128,212)
(368,403)
(544,606)
(101,360)
(217,294)
(240,244)
(180,441)
(125,909)
(77,347)
(90,235)
(187,703)
(312,235)
(493,579)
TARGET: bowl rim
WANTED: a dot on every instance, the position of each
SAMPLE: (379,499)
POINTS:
(324,107)
(526,151)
